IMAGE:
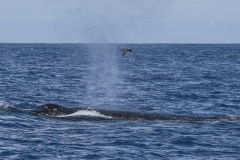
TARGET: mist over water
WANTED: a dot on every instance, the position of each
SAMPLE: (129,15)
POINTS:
(103,74)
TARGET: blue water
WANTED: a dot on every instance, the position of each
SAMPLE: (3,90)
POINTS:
(182,79)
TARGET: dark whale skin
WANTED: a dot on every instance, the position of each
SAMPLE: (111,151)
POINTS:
(54,110)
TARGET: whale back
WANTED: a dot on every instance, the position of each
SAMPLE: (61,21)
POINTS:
(53,110)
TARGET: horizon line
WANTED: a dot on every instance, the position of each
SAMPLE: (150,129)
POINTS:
(106,43)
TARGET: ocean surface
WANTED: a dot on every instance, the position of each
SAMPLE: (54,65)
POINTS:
(180,79)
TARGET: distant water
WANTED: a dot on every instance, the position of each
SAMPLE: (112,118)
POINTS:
(182,79)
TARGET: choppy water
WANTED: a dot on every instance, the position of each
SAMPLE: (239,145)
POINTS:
(195,80)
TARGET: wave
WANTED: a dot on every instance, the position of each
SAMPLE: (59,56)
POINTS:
(6,107)
(87,113)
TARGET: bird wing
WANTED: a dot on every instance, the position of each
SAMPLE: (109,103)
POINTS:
(124,52)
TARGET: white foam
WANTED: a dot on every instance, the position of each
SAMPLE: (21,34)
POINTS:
(86,113)
(3,105)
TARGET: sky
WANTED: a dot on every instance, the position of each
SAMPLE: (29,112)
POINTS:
(120,21)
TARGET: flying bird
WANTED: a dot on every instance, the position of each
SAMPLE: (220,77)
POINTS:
(125,51)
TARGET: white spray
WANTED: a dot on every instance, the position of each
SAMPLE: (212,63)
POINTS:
(103,74)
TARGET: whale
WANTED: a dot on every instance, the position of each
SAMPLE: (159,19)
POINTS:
(54,110)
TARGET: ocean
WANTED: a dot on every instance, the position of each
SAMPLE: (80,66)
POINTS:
(179,79)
